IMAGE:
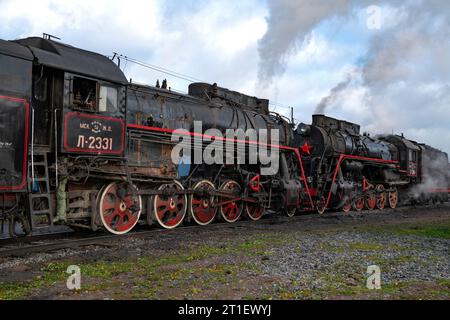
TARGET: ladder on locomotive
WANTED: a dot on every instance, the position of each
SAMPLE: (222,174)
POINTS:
(40,202)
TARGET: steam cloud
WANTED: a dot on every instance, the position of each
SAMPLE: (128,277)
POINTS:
(434,175)
(405,72)
(289,24)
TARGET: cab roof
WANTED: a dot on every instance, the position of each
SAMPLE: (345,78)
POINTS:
(64,57)
(15,50)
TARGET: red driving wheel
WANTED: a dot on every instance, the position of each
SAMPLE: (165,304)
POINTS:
(358,204)
(201,206)
(119,207)
(381,197)
(232,209)
(371,200)
(170,208)
(347,206)
(322,205)
(255,211)
(393,198)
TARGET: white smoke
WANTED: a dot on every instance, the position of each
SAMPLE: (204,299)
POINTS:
(405,72)
(290,22)
(434,175)
(407,67)
(334,95)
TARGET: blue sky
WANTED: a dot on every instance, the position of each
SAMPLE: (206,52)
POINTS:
(217,41)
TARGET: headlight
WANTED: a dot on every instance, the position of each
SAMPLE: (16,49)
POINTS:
(303,129)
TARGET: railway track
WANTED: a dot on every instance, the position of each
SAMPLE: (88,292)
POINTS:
(60,241)
(73,240)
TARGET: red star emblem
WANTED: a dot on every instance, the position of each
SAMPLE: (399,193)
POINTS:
(306,149)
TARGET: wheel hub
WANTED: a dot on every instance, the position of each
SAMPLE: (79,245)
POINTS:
(172,204)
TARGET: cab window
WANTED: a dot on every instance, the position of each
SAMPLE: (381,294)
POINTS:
(402,156)
(412,156)
(91,96)
(84,94)
(108,99)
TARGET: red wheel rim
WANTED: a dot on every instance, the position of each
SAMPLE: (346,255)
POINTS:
(381,197)
(254,211)
(371,201)
(119,208)
(393,199)
(202,210)
(359,203)
(321,205)
(347,206)
(170,210)
(231,211)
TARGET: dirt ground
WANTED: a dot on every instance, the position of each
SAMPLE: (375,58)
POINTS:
(306,257)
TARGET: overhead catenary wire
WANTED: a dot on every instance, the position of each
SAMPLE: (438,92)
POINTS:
(275,105)
(160,69)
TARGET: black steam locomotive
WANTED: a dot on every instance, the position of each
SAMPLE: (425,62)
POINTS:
(348,170)
(82,146)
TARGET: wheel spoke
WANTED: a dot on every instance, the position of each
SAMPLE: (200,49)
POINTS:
(109,218)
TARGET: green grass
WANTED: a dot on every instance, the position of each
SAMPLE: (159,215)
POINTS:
(439,231)
(187,273)
(362,246)
(153,271)
(431,231)
(353,286)
(13,291)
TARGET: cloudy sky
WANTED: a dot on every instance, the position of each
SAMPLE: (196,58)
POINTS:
(383,64)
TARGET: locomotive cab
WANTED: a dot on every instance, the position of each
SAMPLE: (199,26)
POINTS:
(408,155)
(15,92)
(58,105)
(78,94)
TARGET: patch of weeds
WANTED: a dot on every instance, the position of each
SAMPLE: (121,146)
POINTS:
(95,286)
(52,274)
(439,230)
(444,283)
(364,246)
(431,231)
(390,262)
(190,281)
(329,248)
(252,244)
(102,271)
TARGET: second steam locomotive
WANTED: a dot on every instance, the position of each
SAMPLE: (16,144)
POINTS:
(82,146)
